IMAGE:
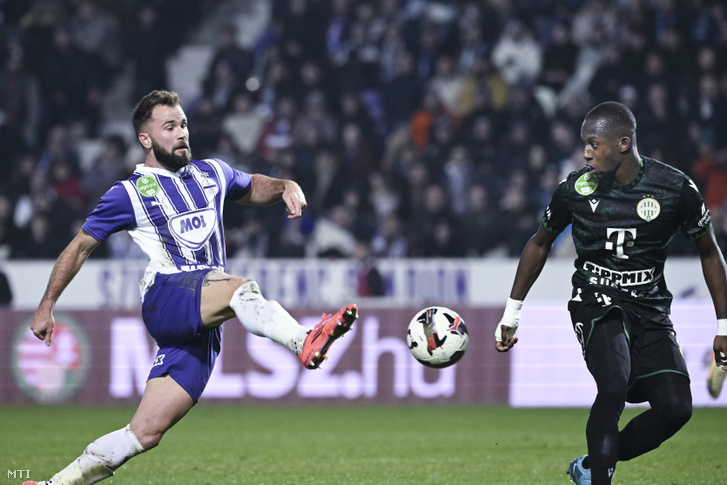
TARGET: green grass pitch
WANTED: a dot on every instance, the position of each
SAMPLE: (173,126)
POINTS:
(355,444)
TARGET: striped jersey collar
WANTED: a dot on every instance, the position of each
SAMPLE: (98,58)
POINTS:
(144,170)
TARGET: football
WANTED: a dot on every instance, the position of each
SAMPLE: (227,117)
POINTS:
(437,337)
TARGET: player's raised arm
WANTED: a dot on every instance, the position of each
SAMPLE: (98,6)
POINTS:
(67,266)
(266,190)
(529,267)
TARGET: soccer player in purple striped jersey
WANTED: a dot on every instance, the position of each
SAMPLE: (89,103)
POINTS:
(172,208)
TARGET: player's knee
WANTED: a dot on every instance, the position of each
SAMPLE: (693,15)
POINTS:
(608,406)
(676,414)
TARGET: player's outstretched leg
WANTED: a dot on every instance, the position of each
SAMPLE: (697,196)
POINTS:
(715,379)
(319,339)
(578,474)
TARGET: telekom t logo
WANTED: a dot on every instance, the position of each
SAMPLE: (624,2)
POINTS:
(624,238)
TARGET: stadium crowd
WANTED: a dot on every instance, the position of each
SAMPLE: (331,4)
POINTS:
(415,128)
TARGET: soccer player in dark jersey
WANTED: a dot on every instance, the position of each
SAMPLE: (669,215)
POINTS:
(172,208)
(625,209)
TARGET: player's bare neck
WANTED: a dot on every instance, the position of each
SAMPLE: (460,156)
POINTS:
(629,170)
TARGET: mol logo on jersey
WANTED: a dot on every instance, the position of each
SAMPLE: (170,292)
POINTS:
(193,229)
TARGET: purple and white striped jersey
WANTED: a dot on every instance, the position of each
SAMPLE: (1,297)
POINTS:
(175,217)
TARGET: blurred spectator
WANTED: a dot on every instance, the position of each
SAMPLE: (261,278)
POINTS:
(427,228)
(6,292)
(352,110)
(7,228)
(517,55)
(369,281)
(20,102)
(518,211)
(444,243)
(430,110)
(292,239)
(610,76)
(313,78)
(71,82)
(303,27)
(383,196)
(478,228)
(388,241)
(245,122)
(338,23)
(359,157)
(147,39)
(559,60)
(249,240)
(59,147)
(356,63)
(393,45)
(458,175)
(332,236)
(222,84)
(316,113)
(226,150)
(278,131)
(427,50)
(277,81)
(401,94)
(658,118)
(38,26)
(108,167)
(66,183)
(564,139)
(329,182)
(449,85)
(710,170)
(711,106)
(227,50)
(97,33)
(205,126)
(474,46)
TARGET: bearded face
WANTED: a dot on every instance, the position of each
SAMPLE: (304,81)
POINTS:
(170,160)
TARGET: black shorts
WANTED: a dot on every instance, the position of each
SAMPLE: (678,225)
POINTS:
(653,347)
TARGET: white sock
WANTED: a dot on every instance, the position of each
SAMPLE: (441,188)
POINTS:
(266,318)
(100,459)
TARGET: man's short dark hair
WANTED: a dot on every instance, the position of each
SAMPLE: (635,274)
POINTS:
(143,109)
(612,115)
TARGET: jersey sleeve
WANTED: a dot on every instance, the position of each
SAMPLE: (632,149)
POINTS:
(697,218)
(557,216)
(112,214)
(237,181)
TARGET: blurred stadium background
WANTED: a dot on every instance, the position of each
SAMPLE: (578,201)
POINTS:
(428,137)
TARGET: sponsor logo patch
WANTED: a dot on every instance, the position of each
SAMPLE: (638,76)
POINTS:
(586,184)
(194,228)
(147,186)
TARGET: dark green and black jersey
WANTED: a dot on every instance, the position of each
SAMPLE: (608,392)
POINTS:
(621,232)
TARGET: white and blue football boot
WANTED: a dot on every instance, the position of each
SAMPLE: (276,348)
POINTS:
(578,474)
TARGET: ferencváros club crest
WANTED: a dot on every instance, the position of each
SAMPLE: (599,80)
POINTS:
(50,374)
